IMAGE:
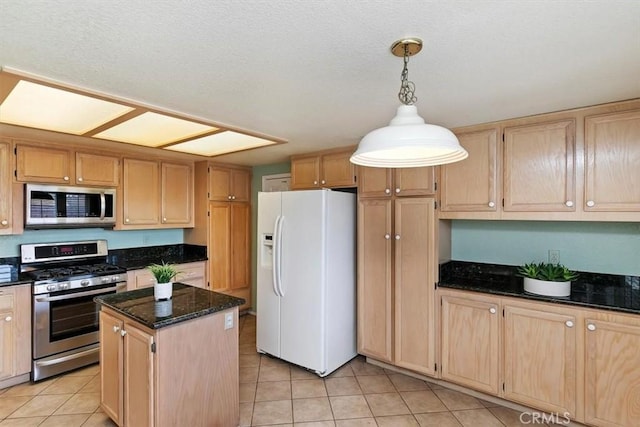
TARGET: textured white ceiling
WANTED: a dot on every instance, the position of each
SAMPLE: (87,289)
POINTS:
(319,73)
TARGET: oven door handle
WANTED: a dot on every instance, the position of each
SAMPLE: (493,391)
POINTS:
(78,294)
(69,357)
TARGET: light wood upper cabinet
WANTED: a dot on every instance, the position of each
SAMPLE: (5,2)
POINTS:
(612,159)
(470,340)
(15,331)
(177,194)
(141,192)
(539,167)
(42,164)
(414,265)
(383,182)
(330,169)
(240,245)
(540,356)
(228,184)
(96,169)
(375,298)
(6,199)
(472,185)
(612,374)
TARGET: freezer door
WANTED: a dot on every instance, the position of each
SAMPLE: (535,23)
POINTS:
(302,323)
(268,304)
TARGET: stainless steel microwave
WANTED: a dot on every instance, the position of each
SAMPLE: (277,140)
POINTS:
(56,206)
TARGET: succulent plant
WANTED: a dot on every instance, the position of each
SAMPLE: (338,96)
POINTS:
(547,271)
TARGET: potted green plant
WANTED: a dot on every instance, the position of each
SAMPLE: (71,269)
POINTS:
(163,273)
(547,279)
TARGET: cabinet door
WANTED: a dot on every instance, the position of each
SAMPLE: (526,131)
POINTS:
(6,201)
(540,358)
(219,184)
(240,242)
(177,194)
(241,185)
(305,172)
(219,245)
(539,167)
(612,377)
(141,192)
(111,367)
(612,152)
(414,263)
(375,310)
(337,170)
(374,182)
(471,185)
(7,339)
(414,181)
(39,164)
(95,169)
(139,377)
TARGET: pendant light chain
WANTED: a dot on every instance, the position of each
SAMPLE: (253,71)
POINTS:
(407,88)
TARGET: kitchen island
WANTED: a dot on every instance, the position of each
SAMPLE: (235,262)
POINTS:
(169,363)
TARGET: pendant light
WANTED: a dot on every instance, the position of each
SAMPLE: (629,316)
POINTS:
(408,141)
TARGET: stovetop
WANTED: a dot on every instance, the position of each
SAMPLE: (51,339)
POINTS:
(74,272)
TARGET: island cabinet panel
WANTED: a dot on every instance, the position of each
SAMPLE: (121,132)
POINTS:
(472,185)
(612,153)
(141,192)
(612,370)
(42,164)
(177,194)
(470,337)
(539,167)
(139,380)
(96,169)
(375,296)
(15,333)
(111,365)
(6,201)
(540,357)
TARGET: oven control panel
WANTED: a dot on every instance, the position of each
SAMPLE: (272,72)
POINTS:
(47,287)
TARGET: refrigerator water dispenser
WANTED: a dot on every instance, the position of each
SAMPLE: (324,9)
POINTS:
(266,253)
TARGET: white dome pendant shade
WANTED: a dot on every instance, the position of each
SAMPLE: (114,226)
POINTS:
(408,141)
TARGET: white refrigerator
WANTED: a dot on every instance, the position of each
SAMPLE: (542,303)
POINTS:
(306,278)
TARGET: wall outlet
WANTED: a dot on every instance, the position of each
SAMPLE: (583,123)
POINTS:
(228,321)
(554,256)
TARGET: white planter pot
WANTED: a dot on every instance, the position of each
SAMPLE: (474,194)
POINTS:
(545,287)
(162,291)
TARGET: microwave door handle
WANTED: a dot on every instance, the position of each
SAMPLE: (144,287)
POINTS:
(103,205)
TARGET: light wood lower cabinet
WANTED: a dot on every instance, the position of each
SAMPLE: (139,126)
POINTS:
(15,332)
(471,340)
(184,374)
(191,273)
(612,370)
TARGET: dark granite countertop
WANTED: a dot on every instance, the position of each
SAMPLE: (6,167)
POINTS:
(14,282)
(188,302)
(602,291)
(141,257)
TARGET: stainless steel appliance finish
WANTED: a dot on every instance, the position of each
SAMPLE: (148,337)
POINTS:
(57,206)
(67,276)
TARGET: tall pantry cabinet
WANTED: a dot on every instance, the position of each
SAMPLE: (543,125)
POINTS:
(223,224)
(397,267)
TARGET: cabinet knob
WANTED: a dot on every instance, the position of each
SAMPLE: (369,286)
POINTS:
(492,204)
(66,178)
(387,236)
(315,182)
(387,191)
(164,219)
(591,203)
(116,329)
(569,324)
(397,237)
(8,318)
(233,197)
(569,203)
(126,220)
(4,222)
(397,190)
(492,310)
(591,327)
(229,197)
(80,179)
(323,182)
(123,332)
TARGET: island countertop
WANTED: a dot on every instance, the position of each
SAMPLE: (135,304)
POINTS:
(187,302)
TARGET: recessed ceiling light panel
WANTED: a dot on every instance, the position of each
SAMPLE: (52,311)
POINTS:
(153,129)
(220,143)
(44,107)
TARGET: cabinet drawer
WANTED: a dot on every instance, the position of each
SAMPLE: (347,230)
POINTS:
(144,279)
(190,272)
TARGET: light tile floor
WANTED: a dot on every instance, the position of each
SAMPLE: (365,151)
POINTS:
(273,392)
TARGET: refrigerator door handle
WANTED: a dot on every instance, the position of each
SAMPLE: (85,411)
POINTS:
(275,260)
(279,240)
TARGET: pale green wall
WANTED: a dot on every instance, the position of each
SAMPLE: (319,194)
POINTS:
(10,245)
(602,247)
(256,186)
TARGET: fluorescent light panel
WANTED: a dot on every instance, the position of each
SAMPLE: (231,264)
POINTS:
(153,129)
(44,107)
(220,143)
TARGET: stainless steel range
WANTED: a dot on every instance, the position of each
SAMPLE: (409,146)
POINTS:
(67,276)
